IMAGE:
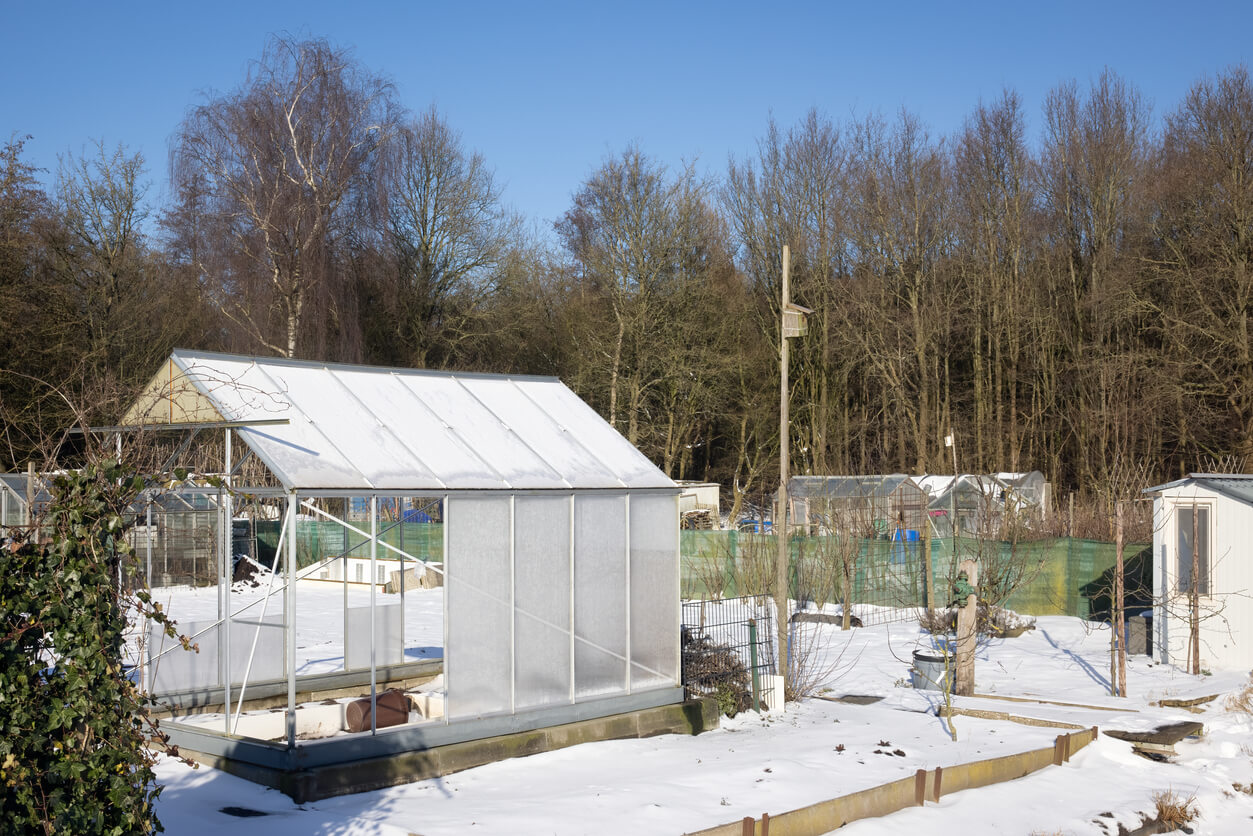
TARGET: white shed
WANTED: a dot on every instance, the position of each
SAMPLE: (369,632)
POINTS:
(1214,512)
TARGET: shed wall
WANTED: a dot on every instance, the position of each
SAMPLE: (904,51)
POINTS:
(1226,614)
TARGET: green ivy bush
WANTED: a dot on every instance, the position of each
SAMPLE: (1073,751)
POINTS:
(74,729)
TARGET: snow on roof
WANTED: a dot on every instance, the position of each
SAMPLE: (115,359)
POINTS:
(370,428)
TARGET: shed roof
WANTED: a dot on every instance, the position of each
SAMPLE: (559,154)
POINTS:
(1238,486)
(371,428)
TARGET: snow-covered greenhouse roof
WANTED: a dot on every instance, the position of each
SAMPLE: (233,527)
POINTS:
(336,427)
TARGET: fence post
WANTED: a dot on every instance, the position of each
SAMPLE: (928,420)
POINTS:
(752,658)
(929,573)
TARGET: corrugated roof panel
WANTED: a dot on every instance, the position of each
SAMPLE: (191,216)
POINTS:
(594,433)
(354,430)
(446,455)
(1233,486)
(298,453)
(542,432)
(492,440)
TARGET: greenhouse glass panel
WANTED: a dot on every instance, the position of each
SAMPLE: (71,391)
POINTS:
(479,615)
(600,596)
(542,600)
(654,591)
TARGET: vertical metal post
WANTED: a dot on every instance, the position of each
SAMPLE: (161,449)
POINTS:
(752,661)
(289,619)
(678,585)
(780,515)
(343,563)
(228,553)
(929,567)
(513,604)
(374,576)
(448,682)
(147,664)
(626,558)
(573,551)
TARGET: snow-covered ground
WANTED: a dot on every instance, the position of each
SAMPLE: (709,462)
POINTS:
(815,750)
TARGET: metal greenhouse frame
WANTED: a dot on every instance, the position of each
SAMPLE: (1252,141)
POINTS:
(560,544)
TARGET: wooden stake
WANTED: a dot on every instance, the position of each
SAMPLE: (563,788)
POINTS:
(1194,602)
(967,618)
(1120,602)
(920,787)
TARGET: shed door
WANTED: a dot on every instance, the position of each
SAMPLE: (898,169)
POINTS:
(1192,523)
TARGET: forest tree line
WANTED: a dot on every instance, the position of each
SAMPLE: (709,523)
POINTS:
(1075,299)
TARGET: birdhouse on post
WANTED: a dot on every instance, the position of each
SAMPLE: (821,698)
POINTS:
(794,322)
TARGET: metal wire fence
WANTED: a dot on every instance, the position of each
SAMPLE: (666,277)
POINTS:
(728,651)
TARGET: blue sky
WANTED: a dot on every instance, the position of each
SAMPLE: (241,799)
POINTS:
(547,90)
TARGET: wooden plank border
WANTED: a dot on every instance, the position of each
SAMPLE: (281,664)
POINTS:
(924,785)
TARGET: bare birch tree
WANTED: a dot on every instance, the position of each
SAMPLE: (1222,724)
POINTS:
(279,160)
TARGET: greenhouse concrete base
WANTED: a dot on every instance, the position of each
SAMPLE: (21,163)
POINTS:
(331,779)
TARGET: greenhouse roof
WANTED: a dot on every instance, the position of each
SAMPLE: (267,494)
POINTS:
(329,426)
(847,486)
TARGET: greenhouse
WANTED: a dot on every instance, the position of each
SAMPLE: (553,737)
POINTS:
(983,503)
(887,507)
(415,559)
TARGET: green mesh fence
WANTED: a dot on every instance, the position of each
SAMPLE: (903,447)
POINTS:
(1062,576)
(319,539)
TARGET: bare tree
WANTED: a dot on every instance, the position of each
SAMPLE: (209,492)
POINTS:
(993,201)
(629,229)
(278,161)
(448,237)
(1091,166)
(1205,230)
(100,246)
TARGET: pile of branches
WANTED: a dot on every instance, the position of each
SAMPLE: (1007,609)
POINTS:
(715,670)
(990,620)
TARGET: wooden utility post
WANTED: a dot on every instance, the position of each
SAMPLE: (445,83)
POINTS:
(791,324)
(28,516)
(780,514)
(1194,599)
(967,625)
(1119,621)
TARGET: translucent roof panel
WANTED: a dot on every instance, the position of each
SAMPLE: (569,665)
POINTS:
(850,487)
(360,427)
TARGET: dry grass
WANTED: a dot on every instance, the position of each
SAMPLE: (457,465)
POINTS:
(1242,700)
(1173,809)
